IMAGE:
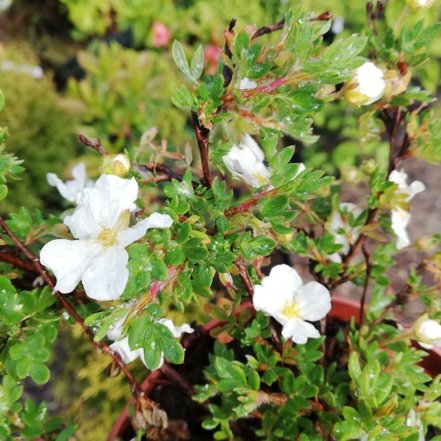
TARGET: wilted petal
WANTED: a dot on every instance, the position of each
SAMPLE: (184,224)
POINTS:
(132,234)
(314,300)
(106,277)
(68,260)
(299,331)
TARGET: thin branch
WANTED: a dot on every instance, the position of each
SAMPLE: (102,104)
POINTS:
(71,311)
(367,259)
(162,172)
(243,273)
(93,143)
(249,203)
(268,29)
(202,135)
(16,261)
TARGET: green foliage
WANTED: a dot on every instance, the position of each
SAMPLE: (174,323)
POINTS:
(357,380)
(40,132)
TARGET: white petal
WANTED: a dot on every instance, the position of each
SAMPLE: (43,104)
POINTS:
(301,169)
(177,331)
(314,300)
(132,234)
(399,221)
(276,289)
(109,198)
(299,331)
(334,257)
(82,224)
(106,277)
(68,260)
(122,348)
(54,181)
(248,143)
(416,187)
(246,83)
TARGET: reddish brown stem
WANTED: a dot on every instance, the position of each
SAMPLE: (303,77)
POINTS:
(266,88)
(243,273)
(202,136)
(16,261)
(93,143)
(268,29)
(365,285)
(249,203)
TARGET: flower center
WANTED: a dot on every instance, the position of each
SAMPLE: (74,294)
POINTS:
(291,309)
(108,237)
(260,178)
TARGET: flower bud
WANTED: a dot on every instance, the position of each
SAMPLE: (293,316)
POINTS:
(396,83)
(419,4)
(367,85)
(427,332)
(117,165)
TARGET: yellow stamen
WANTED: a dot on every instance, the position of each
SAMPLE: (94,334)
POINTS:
(291,309)
(260,179)
(107,237)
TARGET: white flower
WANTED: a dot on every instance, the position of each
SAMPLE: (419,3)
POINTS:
(400,217)
(283,296)
(100,225)
(414,420)
(367,85)
(246,83)
(427,332)
(419,4)
(121,345)
(246,162)
(70,189)
(350,234)
(5,4)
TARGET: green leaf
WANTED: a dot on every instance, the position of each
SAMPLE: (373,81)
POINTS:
(39,373)
(181,61)
(275,206)
(182,98)
(197,63)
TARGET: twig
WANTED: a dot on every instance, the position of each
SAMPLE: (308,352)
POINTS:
(71,310)
(268,29)
(243,273)
(162,172)
(249,203)
(367,259)
(94,143)
(202,135)
(17,262)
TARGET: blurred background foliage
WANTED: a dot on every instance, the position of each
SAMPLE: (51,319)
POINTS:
(104,68)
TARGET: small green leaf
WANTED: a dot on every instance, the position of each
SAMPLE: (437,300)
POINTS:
(181,61)
(197,63)
(39,373)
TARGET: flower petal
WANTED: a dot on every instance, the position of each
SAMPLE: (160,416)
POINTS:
(68,260)
(314,300)
(108,199)
(127,355)
(299,331)
(82,224)
(106,277)
(276,289)
(399,221)
(132,234)
(177,331)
